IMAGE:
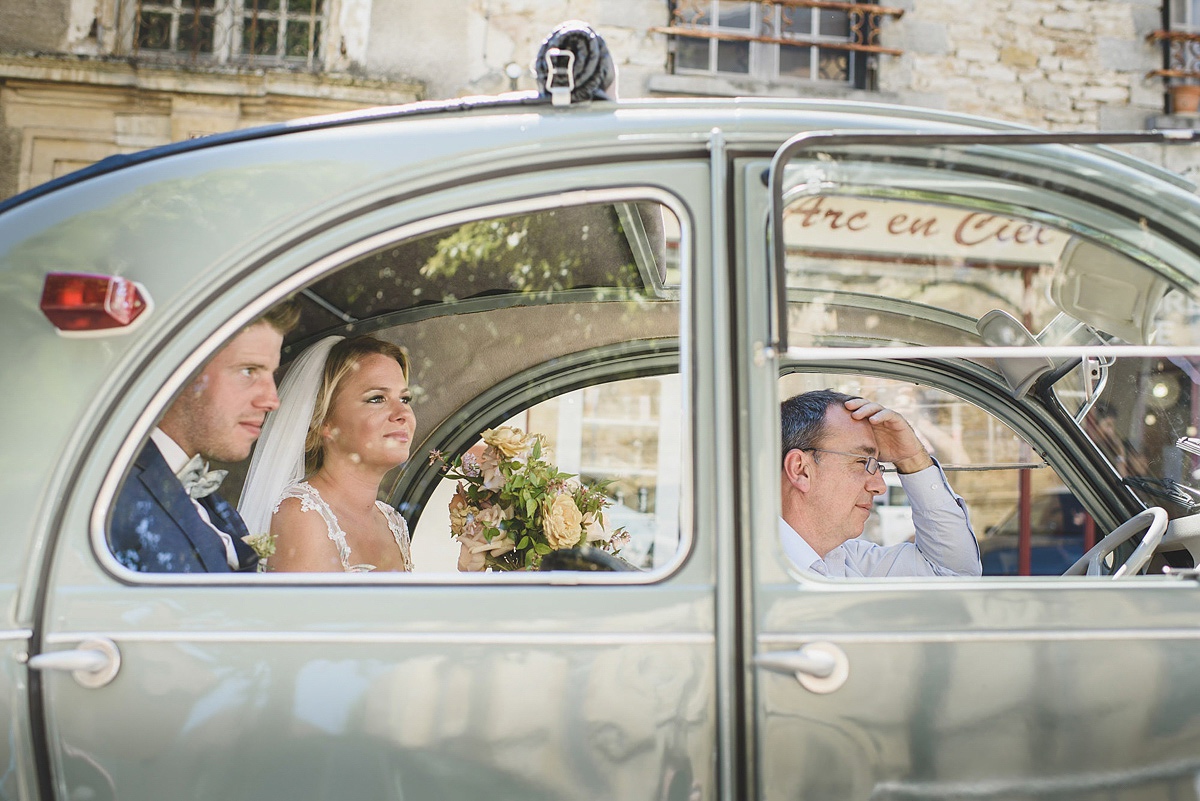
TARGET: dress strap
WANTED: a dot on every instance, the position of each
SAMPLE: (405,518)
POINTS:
(399,527)
(311,501)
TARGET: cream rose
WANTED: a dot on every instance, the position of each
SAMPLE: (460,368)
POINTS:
(506,439)
(263,544)
(562,521)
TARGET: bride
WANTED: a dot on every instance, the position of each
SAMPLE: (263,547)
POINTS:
(344,420)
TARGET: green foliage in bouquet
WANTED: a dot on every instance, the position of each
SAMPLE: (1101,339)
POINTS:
(513,505)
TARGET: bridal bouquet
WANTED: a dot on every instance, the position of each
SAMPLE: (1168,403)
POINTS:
(513,506)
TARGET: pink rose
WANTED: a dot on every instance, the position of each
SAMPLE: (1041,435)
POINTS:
(469,561)
(460,508)
(492,515)
(472,555)
(489,467)
(595,527)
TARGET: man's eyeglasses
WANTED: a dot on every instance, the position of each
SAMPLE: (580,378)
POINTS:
(869,463)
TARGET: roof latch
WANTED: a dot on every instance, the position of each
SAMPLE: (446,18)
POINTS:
(560,70)
(573,65)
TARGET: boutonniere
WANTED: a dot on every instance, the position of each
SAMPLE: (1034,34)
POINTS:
(263,545)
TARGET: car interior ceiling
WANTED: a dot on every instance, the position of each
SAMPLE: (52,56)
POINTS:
(459,301)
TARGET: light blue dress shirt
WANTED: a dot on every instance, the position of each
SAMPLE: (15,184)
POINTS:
(944,544)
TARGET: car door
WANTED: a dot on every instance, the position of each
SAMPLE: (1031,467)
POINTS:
(429,685)
(891,249)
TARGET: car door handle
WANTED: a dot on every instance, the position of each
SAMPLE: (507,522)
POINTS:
(93,664)
(820,667)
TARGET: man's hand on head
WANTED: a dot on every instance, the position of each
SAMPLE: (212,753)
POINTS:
(896,439)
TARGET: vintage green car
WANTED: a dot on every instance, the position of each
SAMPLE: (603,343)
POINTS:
(642,283)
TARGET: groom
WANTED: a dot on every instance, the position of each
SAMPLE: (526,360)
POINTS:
(168,517)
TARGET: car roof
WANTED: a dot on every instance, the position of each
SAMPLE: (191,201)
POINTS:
(739,117)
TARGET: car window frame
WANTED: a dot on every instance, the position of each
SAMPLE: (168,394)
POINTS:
(1063,199)
(1045,431)
(328,262)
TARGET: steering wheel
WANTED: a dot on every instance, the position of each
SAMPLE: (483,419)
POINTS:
(1154,520)
(584,557)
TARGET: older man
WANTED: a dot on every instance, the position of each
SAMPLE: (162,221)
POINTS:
(168,517)
(832,446)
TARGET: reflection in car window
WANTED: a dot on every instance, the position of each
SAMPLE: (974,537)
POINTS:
(961,263)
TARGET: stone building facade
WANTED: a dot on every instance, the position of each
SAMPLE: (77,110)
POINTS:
(83,79)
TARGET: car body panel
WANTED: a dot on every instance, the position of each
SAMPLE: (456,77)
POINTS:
(556,685)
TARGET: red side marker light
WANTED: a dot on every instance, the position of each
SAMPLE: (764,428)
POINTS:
(79,303)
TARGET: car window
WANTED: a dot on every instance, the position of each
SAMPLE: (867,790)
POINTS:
(929,280)
(986,462)
(621,437)
(560,321)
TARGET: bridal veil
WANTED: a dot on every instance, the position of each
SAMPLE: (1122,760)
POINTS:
(279,456)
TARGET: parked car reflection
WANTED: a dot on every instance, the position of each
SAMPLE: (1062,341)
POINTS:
(1058,525)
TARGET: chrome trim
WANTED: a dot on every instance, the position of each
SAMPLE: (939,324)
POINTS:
(988,352)
(735,741)
(398,637)
(975,636)
(1105,783)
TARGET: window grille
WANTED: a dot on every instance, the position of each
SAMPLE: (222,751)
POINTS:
(284,32)
(806,40)
(1180,40)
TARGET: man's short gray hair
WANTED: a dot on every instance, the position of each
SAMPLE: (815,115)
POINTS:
(803,418)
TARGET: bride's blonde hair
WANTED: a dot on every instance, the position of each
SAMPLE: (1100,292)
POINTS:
(341,360)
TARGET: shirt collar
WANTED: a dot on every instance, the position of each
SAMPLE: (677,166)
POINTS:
(170,450)
(796,548)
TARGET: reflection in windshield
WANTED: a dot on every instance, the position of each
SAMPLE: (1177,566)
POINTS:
(1146,406)
(965,263)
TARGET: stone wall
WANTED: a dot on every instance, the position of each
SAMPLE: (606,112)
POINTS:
(1057,65)
(33,24)
(59,114)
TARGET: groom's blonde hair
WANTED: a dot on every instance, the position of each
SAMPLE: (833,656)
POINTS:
(342,359)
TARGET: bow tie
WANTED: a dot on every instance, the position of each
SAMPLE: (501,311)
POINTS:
(198,481)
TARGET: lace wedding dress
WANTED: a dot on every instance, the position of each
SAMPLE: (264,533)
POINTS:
(311,501)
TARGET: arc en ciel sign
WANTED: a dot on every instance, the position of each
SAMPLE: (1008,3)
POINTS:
(901,228)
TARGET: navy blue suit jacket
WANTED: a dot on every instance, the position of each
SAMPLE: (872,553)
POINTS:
(155,527)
